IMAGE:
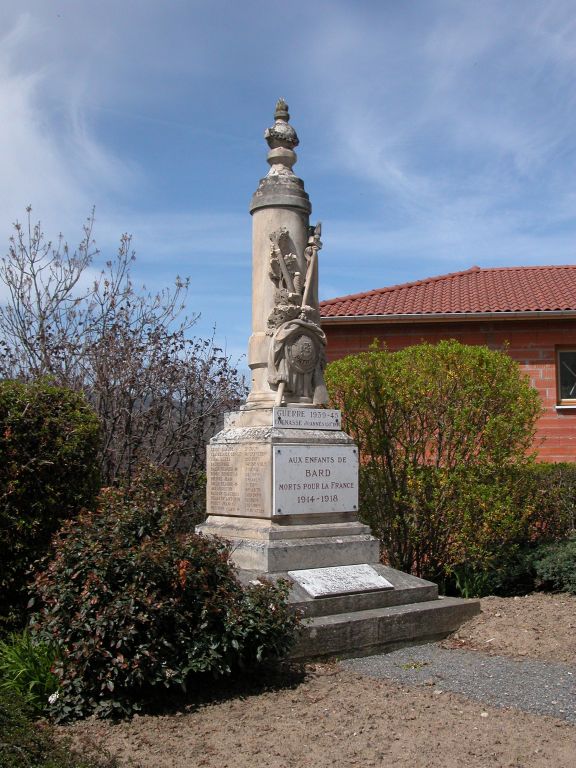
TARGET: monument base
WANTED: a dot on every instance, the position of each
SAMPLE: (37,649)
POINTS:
(286,497)
(265,547)
(282,489)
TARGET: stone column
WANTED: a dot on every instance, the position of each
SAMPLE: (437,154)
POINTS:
(281,235)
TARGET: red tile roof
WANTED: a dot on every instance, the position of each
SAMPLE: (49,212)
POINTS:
(501,289)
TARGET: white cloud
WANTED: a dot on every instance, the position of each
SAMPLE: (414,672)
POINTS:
(459,124)
(49,156)
(451,120)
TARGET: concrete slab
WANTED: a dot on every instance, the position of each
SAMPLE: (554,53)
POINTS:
(340,580)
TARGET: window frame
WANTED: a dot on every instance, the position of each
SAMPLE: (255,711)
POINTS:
(564,401)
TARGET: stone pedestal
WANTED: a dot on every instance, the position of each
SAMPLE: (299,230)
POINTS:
(283,490)
(286,497)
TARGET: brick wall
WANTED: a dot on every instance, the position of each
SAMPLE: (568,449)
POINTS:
(530,343)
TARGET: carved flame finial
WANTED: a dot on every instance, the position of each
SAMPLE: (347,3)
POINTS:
(281,134)
(281,111)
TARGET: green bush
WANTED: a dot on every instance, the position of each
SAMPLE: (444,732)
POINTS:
(441,429)
(552,488)
(48,451)
(555,566)
(139,609)
(26,669)
(28,744)
(508,574)
(547,494)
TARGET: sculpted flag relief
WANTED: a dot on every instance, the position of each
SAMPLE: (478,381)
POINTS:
(297,357)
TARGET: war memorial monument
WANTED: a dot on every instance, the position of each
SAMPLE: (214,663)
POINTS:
(282,475)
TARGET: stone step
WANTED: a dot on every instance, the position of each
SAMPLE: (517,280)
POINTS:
(272,557)
(364,632)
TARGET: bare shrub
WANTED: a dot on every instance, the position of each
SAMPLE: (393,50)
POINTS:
(158,391)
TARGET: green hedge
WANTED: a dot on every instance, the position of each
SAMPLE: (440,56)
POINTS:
(551,491)
(555,566)
(441,430)
(49,439)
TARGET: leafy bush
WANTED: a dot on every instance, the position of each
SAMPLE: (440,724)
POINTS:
(49,441)
(441,429)
(509,573)
(28,744)
(26,669)
(555,566)
(139,609)
(547,494)
(552,488)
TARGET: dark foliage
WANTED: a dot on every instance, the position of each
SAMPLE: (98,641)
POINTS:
(49,443)
(555,566)
(28,744)
(140,610)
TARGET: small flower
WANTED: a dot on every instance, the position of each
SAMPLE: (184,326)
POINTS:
(53,698)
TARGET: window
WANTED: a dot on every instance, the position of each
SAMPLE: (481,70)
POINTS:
(566,369)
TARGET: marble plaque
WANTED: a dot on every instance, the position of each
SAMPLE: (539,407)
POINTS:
(340,580)
(310,479)
(239,480)
(307,418)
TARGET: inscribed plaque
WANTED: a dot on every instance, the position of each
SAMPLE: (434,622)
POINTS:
(315,479)
(239,480)
(307,418)
(340,580)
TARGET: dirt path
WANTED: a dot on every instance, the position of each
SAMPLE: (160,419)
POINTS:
(333,717)
(537,626)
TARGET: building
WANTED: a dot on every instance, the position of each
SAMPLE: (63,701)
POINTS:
(530,312)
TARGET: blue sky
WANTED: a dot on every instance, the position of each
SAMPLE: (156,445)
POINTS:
(434,134)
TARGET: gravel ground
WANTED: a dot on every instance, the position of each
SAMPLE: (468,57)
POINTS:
(540,687)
